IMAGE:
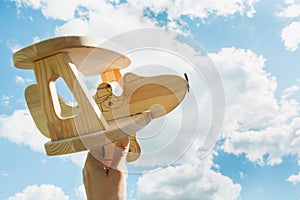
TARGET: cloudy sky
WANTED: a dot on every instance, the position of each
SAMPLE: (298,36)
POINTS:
(253,44)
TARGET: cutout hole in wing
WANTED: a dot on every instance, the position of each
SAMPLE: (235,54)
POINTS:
(67,102)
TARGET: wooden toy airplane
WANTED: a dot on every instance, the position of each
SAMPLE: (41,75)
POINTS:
(103,118)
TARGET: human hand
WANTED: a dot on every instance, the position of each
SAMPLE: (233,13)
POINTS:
(112,155)
(102,173)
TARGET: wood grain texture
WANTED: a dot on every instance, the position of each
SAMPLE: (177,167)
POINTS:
(75,144)
(33,100)
(83,52)
(106,118)
(159,94)
(118,130)
(88,120)
(134,150)
(111,76)
(115,76)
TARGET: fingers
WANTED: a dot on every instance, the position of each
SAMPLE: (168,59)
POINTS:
(123,145)
(114,153)
(109,151)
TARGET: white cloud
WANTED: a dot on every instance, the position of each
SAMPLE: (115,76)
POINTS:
(5,100)
(77,158)
(197,9)
(189,178)
(291,11)
(50,9)
(257,123)
(4,173)
(96,18)
(43,192)
(291,36)
(290,33)
(28,3)
(188,181)
(80,192)
(71,28)
(294,179)
(36,39)
(13,46)
(289,1)
(249,89)
(242,175)
(65,10)
(24,133)
(290,91)
(20,80)
(102,23)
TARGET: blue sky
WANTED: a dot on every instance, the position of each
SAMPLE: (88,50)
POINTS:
(254,45)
